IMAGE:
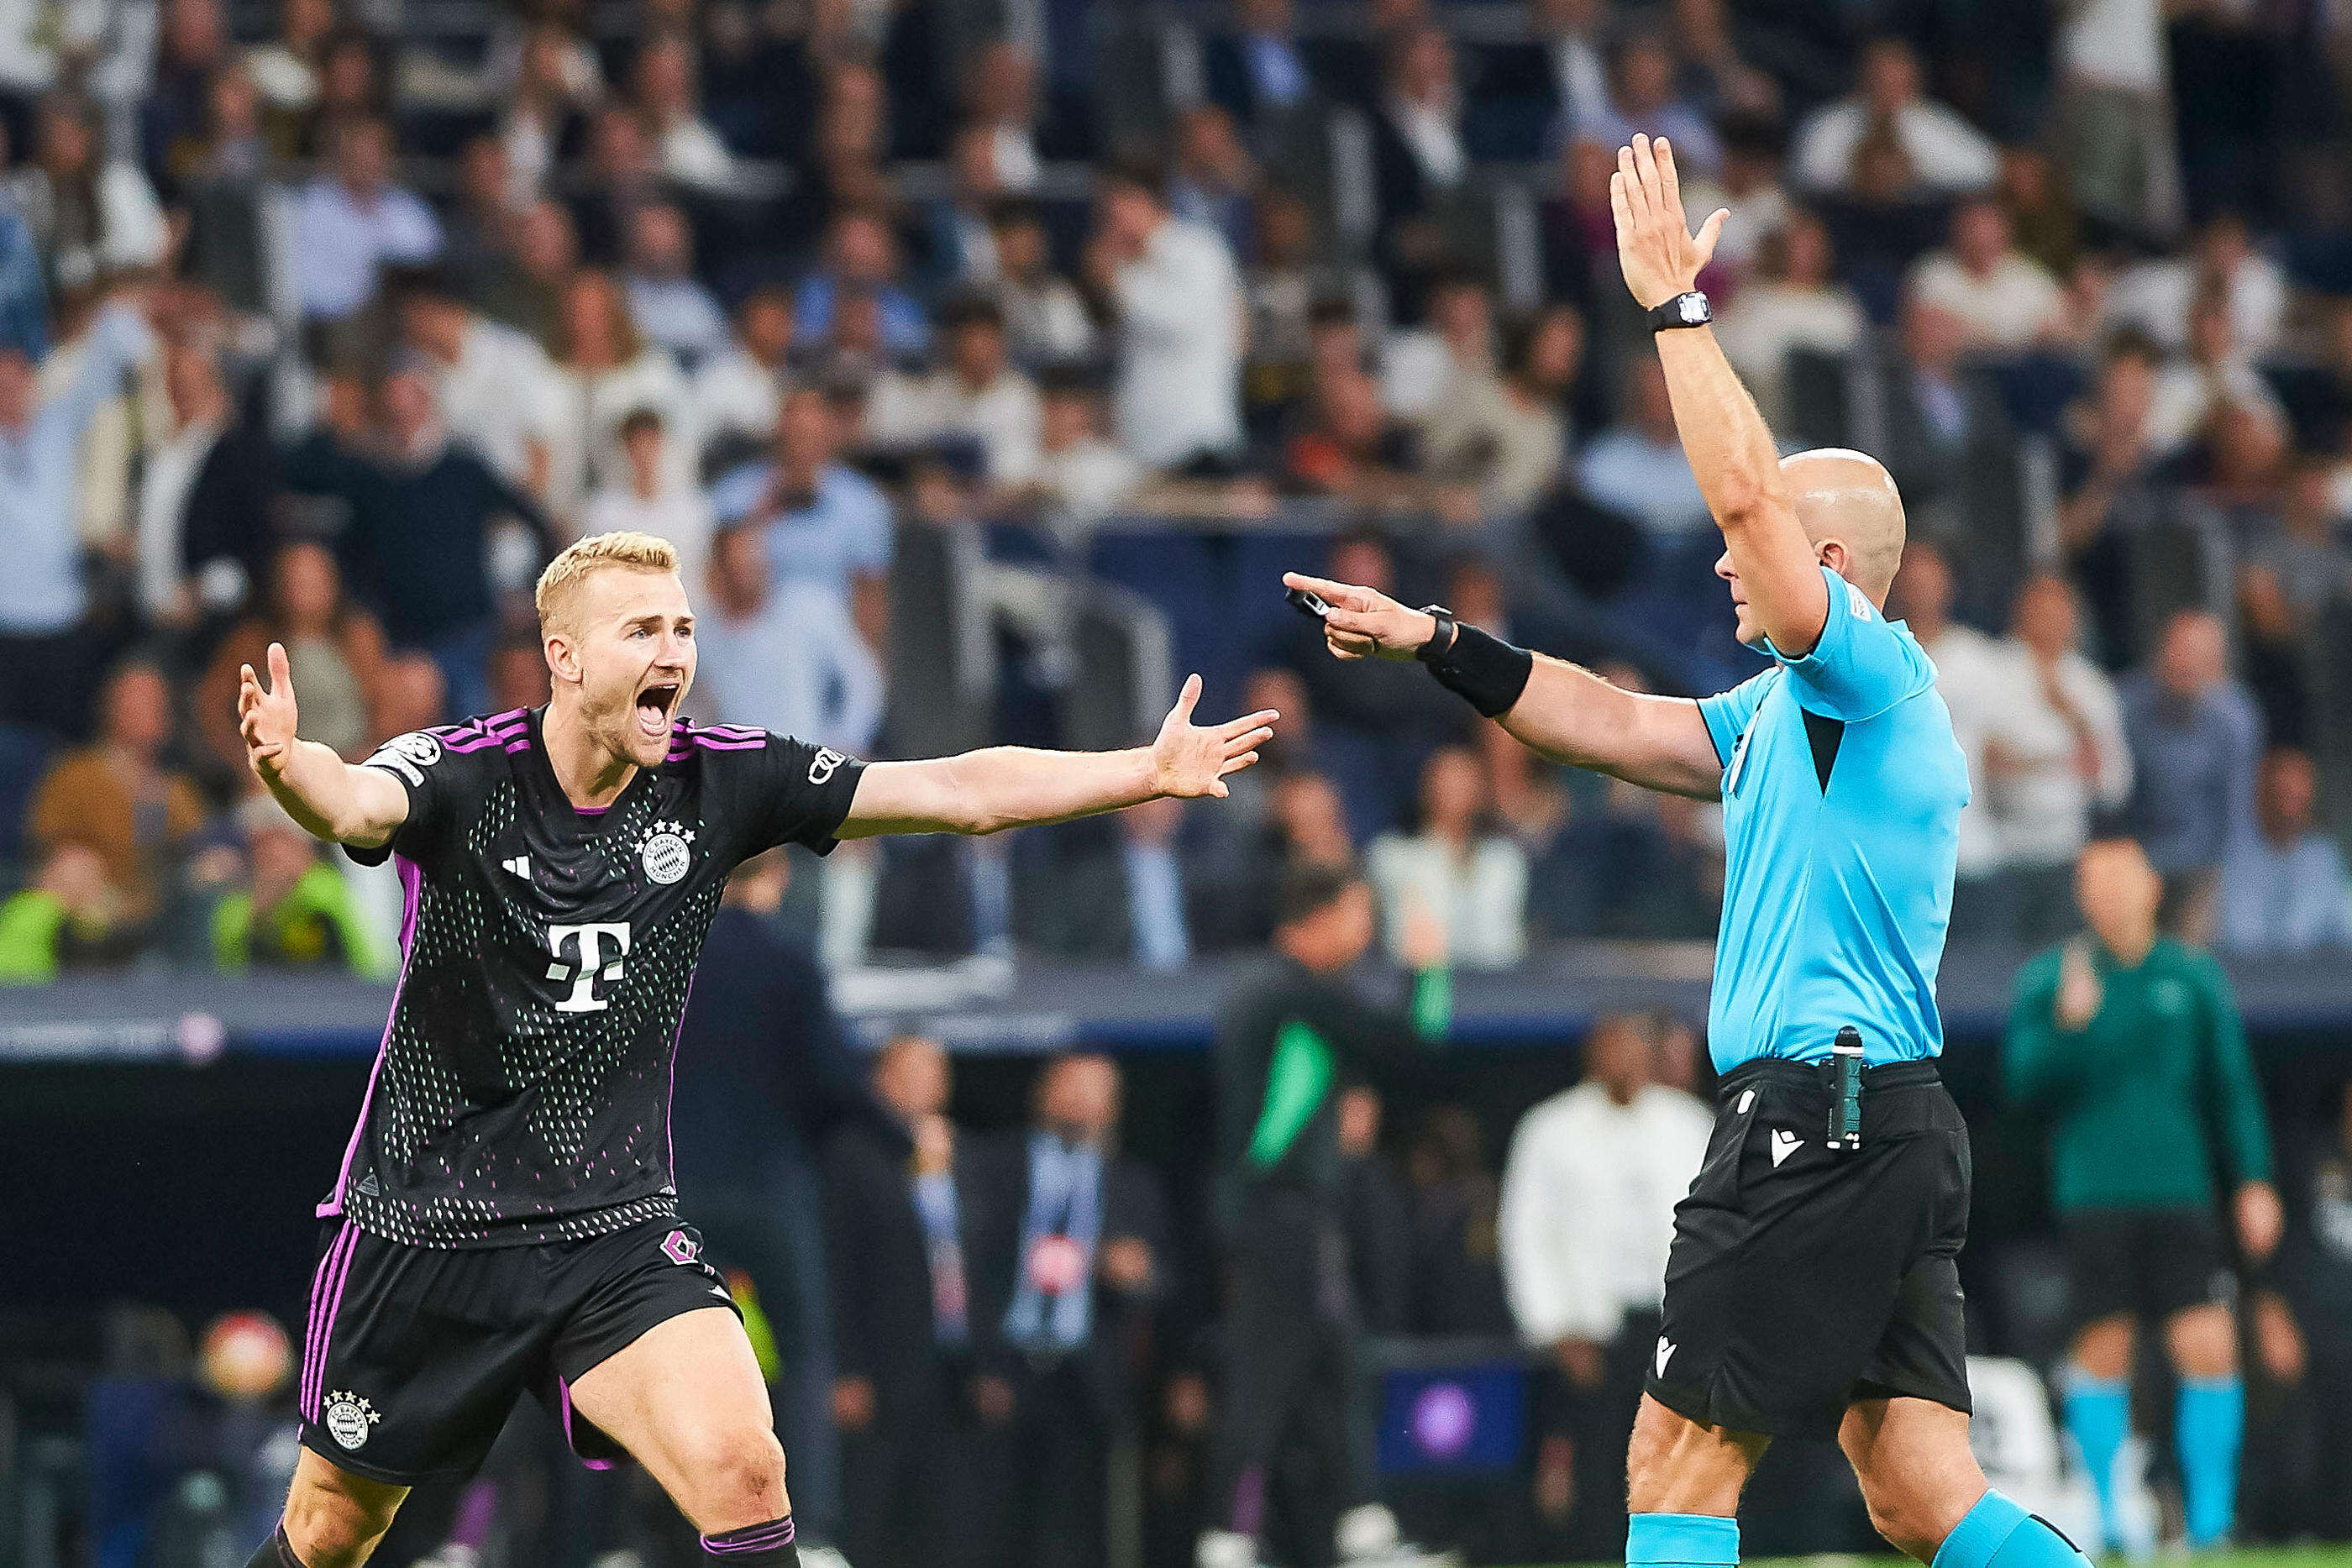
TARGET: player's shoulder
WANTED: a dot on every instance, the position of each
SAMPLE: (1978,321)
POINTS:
(461,748)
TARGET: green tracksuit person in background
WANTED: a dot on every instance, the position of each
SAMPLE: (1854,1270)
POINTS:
(2129,1045)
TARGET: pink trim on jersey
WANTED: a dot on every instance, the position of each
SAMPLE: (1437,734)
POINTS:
(564,1397)
(412,890)
(310,1321)
(326,1299)
(478,733)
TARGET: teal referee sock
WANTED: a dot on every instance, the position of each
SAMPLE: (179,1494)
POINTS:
(2209,1422)
(1681,1540)
(1997,1533)
(2098,1417)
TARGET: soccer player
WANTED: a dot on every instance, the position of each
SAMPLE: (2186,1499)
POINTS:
(1812,1288)
(2130,1044)
(504,1219)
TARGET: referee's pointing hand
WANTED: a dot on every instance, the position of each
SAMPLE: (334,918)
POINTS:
(1365,623)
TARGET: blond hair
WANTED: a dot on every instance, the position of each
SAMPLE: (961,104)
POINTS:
(578,560)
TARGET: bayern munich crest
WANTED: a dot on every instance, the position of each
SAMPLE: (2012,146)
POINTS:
(665,854)
(348,1418)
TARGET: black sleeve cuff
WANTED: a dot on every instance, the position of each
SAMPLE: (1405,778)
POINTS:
(1486,670)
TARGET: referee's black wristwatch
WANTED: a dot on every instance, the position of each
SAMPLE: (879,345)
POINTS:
(1441,641)
(1686,310)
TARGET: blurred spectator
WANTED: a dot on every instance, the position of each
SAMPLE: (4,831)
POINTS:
(1637,468)
(1113,889)
(292,909)
(1557,77)
(686,149)
(1343,446)
(1211,179)
(207,501)
(1944,152)
(975,395)
(735,390)
(24,286)
(2003,299)
(1970,680)
(1708,71)
(2157,295)
(2284,889)
(666,301)
(228,143)
(1457,1286)
(544,123)
(654,499)
(959,248)
(2216,374)
(1587,1215)
(1941,418)
(2055,755)
(1644,99)
(1417,152)
(495,387)
(42,599)
(575,62)
(334,648)
(1425,368)
(2129,1045)
(903,1396)
(1379,1218)
(1793,302)
(1070,1249)
(1259,69)
(192,44)
(2315,1272)
(1080,476)
(350,86)
(89,215)
(2194,736)
(1508,432)
(1001,96)
(785,656)
(525,285)
(860,254)
(1751,191)
(284,69)
(67,917)
(604,369)
(2105,464)
(1177,303)
(1454,869)
(2046,227)
(2113,119)
(2293,579)
(121,796)
(352,219)
(1045,322)
(418,547)
(817,520)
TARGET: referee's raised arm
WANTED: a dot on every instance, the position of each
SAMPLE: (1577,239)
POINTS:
(1730,450)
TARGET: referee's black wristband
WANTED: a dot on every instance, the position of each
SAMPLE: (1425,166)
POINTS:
(1486,670)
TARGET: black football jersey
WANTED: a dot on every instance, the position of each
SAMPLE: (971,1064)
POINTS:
(522,1091)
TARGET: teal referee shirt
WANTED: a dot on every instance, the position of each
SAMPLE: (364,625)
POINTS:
(1842,795)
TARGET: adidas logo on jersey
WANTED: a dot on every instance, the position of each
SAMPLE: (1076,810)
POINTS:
(519,866)
(1784,1143)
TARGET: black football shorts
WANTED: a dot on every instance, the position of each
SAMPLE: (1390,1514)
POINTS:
(1803,1279)
(413,1356)
(2144,1263)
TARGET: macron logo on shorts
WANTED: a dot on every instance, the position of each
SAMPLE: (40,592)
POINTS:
(1784,1143)
(1666,1348)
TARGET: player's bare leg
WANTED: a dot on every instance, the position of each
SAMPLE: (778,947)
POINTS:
(685,1399)
(1676,1466)
(1918,1477)
(333,1518)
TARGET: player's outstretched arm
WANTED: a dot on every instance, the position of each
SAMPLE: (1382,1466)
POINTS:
(329,797)
(1566,713)
(1729,447)
(1013,787)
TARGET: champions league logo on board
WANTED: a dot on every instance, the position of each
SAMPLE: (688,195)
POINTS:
(663,854)
(349,1417)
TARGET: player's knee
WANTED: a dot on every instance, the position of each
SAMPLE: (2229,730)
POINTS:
(2104,1349)
(2203,1342)
(1906,1526)
(739,1480)
(329,1528)
(1673,1465)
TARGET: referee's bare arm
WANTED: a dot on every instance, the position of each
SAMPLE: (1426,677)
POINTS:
(1730,450)
(330,798)
(1566,713)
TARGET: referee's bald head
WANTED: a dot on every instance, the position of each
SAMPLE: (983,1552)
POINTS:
(1848,498)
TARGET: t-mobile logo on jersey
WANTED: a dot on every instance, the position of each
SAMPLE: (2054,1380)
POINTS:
(589,944)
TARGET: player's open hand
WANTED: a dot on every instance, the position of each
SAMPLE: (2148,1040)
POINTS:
(266,716)
(1365,623)
(1656,246)
(1189,760)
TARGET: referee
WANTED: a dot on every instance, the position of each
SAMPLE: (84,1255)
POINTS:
(2129,1045)
(1812,1291)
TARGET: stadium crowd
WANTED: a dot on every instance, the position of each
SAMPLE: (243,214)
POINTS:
(916,326)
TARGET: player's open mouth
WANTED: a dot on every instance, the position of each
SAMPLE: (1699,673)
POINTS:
(653,708)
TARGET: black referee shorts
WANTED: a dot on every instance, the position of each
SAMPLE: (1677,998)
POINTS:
(413,1356)
(2144,1263)
(1803,1279)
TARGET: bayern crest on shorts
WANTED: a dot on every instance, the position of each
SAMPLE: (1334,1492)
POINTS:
(348,1418)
